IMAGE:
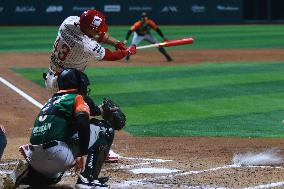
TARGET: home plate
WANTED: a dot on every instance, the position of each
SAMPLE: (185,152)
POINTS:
(153,171)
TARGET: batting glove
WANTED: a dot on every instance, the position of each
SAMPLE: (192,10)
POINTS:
(131,50)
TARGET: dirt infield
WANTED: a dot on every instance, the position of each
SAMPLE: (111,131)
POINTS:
(199,162)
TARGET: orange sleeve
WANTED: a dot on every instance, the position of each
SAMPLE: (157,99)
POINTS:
(152,24)
(80,105)
(135,26)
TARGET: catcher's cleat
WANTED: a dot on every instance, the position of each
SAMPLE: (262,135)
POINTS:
(12,181)
(83,183)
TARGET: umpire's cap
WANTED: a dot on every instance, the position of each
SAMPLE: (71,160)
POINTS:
(93,20)
(73,79)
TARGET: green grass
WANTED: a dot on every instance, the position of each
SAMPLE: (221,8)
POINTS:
(224,99)
(40,39)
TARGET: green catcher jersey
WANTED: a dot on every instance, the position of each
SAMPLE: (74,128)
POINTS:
(56,120)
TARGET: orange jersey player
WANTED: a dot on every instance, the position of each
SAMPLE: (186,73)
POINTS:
(142,30)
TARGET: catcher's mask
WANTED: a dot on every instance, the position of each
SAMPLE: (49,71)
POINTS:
(73,79)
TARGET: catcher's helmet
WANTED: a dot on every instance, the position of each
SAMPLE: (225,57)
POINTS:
(93,20)
(73,79)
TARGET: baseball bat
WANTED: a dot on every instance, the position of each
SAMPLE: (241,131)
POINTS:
(169,43)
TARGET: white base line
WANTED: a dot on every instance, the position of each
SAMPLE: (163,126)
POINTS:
(140,182)
(8,163)
(20,92)
(276,184)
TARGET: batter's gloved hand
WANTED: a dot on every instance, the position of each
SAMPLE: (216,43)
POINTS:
(120,46)
(113,114)
(131,50)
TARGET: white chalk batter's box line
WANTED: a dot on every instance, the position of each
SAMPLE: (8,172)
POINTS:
(142,181)
(150,181)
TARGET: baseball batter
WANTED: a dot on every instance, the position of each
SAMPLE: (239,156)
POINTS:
(141,31)
(63,137)
(78,43)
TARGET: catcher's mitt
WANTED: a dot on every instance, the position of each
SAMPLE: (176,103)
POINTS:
(113,114)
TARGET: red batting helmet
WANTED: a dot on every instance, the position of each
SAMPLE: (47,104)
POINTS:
(93,20)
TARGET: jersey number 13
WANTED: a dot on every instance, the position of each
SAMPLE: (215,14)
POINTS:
(61,48)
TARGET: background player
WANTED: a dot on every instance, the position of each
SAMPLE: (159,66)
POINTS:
(78,43)
(62,135)
(141,31)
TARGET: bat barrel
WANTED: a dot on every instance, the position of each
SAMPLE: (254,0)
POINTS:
(169,43)
(177,42)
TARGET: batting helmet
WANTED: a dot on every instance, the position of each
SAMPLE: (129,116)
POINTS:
(93,20)
(73,79)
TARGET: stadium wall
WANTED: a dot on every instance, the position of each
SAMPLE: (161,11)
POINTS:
(123,12)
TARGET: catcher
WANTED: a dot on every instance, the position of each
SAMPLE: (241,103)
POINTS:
(142,30)
(64,136)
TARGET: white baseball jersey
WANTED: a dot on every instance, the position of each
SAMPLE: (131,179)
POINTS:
(72,48)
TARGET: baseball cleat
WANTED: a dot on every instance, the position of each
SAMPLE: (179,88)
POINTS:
(111,159)
(83,183)
(11,181)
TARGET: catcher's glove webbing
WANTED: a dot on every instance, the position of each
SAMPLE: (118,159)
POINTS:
(113,114)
